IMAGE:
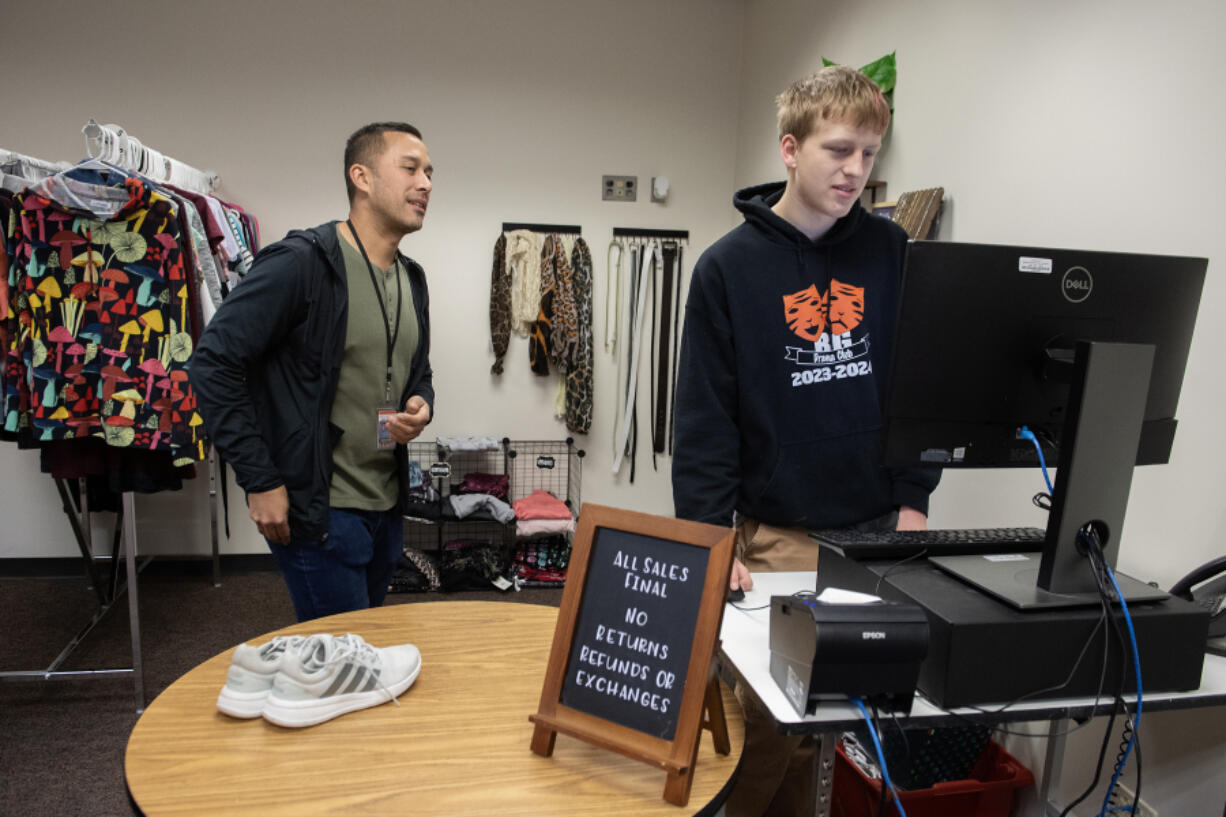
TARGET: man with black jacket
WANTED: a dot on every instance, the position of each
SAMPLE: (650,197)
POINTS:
(788,329)
(315,372)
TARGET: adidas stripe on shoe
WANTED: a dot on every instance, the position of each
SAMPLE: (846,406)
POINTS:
(328,676)
(251,674)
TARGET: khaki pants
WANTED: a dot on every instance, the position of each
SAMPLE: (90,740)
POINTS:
(776,772)
(775,778)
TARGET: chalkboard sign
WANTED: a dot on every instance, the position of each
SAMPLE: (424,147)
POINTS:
(631,659)
(629,655)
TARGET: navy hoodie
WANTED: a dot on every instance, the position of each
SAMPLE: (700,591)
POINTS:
(784,357)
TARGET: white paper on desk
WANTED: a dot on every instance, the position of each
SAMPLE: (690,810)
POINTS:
(836,595)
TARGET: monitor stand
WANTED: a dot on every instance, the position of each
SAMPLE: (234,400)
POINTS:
(1014,579)
(1098,449)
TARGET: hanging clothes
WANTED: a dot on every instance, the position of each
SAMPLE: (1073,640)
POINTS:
(524,250)
(664,348)
(580,385)
(541,336)
(639,308)
(560,331)
(500,304)
(99,291)
(112,278)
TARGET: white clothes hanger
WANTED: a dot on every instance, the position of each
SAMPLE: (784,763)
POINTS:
(113,145)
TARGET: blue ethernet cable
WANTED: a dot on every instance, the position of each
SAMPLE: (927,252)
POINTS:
(1026,434)
(1136,721)
(885,774)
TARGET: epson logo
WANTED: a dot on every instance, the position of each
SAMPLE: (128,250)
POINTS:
(1076,285)
(872,635)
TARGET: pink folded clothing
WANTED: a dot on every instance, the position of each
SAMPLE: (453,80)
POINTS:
(539,527)
(541,505)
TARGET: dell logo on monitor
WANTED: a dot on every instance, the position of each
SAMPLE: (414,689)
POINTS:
(1076,284)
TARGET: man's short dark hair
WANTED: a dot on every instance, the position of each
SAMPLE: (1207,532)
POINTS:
(365,145)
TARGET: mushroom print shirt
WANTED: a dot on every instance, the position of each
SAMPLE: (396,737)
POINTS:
(97,310)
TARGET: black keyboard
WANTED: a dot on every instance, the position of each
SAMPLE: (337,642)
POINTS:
(901,544)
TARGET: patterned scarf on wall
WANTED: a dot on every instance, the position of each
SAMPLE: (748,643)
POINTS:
(579,383)
(564,325)
(500,304)
(541,335)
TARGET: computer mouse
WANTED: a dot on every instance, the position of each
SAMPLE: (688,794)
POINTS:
(736,594)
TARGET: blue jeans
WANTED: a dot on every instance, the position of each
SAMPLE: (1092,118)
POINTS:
(350,570)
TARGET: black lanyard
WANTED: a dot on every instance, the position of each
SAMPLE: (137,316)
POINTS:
(387,327)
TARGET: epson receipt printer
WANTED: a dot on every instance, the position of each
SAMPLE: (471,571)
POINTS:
(821,650)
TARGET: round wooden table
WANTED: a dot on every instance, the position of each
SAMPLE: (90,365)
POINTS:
(458,744)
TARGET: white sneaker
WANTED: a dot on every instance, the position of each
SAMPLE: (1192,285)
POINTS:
(251,674)
(327,676)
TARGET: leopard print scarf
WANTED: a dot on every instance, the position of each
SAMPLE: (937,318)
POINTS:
(500,304)
(579,383)
(540,338)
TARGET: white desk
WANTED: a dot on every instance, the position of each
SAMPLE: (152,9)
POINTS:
(745,653)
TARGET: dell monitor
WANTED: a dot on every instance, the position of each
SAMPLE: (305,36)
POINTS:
(1086,349)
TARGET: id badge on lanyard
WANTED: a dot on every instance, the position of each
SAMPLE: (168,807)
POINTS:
(383,435)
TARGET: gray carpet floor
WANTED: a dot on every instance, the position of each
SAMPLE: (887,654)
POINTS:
(62,742)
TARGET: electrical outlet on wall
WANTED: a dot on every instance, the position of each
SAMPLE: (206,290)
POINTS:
(619,188)
(1122,797)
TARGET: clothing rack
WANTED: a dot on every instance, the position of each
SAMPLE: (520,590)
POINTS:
(111,145)
(108,591)
(114,145)
(7,156)
(644,232)
(561,229)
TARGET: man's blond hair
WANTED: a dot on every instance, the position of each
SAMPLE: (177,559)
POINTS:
(837,93)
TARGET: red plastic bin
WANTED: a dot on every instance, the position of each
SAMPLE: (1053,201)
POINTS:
(988,792)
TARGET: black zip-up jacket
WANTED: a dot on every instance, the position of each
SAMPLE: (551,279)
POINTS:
(266,368)
(785,351)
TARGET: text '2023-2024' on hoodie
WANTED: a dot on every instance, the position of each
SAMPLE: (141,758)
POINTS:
(784,356)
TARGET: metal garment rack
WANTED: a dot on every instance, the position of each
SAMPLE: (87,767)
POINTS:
(108,588)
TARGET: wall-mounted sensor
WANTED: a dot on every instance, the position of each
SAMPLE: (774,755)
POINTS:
(659,188)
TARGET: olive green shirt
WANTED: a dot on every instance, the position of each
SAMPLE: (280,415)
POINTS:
(364,477)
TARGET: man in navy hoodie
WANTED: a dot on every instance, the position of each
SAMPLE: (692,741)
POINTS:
(788,330)
(315,373)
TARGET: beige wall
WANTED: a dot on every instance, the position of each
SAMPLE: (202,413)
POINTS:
(524,106)
(1084,124)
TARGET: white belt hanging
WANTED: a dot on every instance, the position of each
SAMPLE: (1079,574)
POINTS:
(623,434)
(613,295)
(622,383)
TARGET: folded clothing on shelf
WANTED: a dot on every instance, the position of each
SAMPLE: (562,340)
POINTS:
(476,482)
(416,572)
(526,528)
(542,505)
(470,443)
(470,564)
(481,506)
(541,561)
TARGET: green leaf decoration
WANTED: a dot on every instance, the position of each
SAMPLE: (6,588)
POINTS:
(101,232)
(129,247)
(180,347)
(40,352)
(883,72)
